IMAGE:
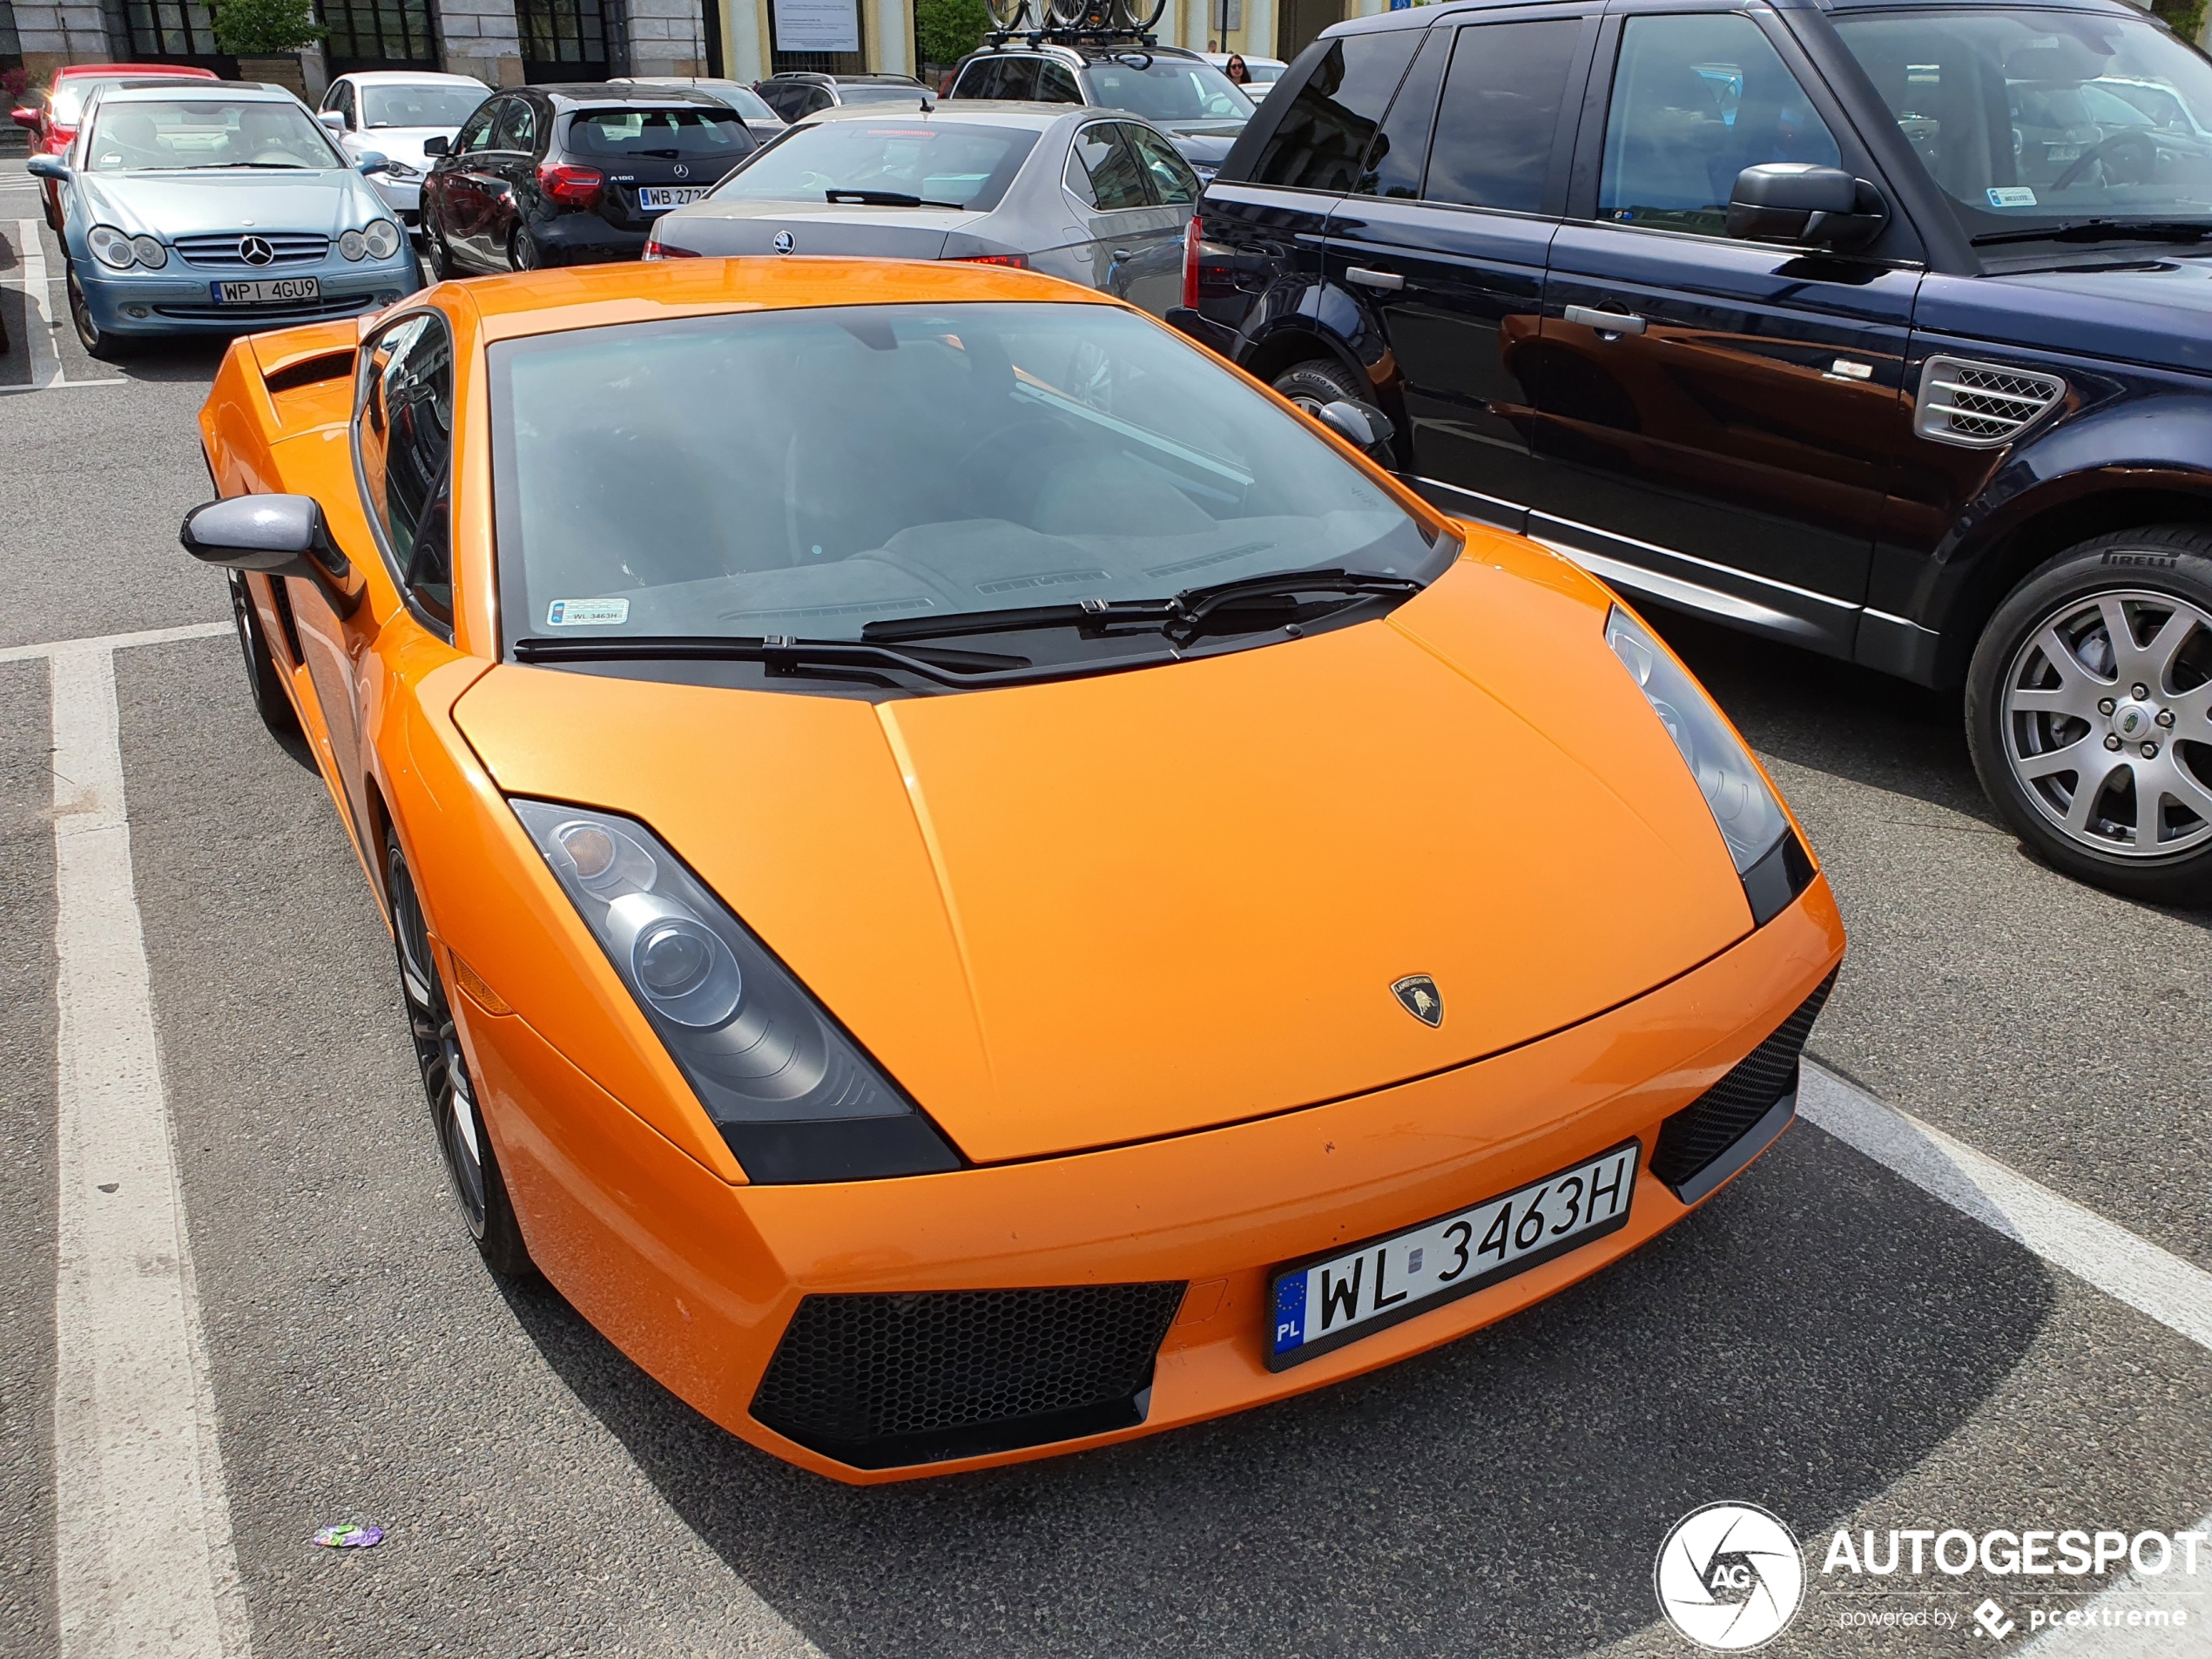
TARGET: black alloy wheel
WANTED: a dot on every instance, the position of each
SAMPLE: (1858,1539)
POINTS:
(96,342)
(263,678)
(523,251)
(437,258)
(2089,712)
(462,1138)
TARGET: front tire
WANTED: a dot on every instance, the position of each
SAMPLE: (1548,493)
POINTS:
(471,1164)
(523,252)
(263,679)
(2089,712)
(96,341)
(437,258)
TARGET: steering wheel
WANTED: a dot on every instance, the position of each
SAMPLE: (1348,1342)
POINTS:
(2128,138)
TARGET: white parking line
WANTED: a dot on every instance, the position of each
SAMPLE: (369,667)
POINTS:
(144,1562)
(30,247)
(2178,1294)
(115,642)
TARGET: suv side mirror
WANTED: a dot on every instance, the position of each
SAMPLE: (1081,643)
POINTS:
(1794,201)
(273,534)
(1361,425)
(435,147)
(46,167)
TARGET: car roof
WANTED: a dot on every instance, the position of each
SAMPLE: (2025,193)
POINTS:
(593,295)
(609,95)
(189,71)
(408,78)
(220,91)
(968,111)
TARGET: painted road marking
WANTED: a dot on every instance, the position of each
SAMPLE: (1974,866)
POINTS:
(2177,1294)
(115,642)
(134,1420)
(30,246)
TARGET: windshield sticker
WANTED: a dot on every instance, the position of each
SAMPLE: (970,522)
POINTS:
(587,613)
(2012,196)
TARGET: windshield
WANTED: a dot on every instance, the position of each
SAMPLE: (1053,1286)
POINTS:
(1167,88)
(809,472)
(694,134)
(420,106)
(941,163)
(173,134)
(2035,119)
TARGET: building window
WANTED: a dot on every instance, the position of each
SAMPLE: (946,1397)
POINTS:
(571,40)
(377,34)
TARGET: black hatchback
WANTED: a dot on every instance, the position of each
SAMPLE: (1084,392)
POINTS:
(571,175)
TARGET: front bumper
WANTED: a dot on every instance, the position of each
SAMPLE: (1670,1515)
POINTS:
(697,1279)
(180,298)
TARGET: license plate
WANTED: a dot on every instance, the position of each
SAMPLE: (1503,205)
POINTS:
(1328,1301)
(267,290)
(674,196)
(2062,152)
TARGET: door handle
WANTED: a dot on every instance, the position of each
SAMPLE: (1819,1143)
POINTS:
(1605,322)
(1389,281)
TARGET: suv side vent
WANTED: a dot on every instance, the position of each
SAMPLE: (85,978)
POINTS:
(1980,406)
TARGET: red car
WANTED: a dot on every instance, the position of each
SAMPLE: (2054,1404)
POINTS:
(52,120)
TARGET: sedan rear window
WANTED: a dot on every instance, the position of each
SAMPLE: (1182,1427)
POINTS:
(671,134)
(808,472)
(887,162)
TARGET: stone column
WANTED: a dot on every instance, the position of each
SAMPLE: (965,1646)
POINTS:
(480,38)
(890,37)
(744,39)
(55,34)
(667,38)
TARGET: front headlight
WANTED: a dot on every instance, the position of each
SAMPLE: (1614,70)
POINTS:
(383,238)
(794,1096)
(1764,849)
(111,246)
(353,245)
(401,170)
(149,253)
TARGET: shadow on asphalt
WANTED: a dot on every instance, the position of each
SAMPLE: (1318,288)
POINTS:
(1802,1343)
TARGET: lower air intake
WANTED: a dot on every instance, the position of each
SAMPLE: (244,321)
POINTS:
(1692,1156)
(880,1380)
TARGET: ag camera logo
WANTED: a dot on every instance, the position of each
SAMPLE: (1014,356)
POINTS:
(1730,1577)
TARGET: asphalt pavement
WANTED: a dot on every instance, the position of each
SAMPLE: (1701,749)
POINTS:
(1826,1340)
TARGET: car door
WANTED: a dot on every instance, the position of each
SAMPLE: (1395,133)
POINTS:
(510,166)
(462,190)
(1115,210)
(1148,258)
(1443,240)
(1717,419)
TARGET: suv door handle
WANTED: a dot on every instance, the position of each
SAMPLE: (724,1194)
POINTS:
(1605,322)
(1390,281)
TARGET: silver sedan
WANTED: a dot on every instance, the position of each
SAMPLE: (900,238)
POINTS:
(1097,197)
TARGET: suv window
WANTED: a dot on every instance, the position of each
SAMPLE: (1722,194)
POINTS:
(1056,84)
(1322,137)
(517,128)
(1400,147)
(403,438)
(1500,114)
(1101,172)
(1697,98)
(1173,182)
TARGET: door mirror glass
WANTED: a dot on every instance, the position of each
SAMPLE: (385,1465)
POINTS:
(1786,201)
(46,167)
(435,147)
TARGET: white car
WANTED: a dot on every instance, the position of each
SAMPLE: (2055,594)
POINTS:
(761,121)
(1264,71)
(394,112)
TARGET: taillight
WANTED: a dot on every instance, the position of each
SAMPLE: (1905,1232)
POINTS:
(657,249)
(1191,233)
(1019,261)
(572,186)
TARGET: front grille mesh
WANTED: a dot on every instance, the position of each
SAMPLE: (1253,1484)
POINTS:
(221,248)
(877,1380)
(1694,1136)
(1980,406)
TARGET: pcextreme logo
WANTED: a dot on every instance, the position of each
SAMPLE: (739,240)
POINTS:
(1730,1577)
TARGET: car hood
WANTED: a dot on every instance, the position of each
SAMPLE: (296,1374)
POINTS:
(1112,909)
(401,143)
(727,228)
(2157,313)
(182,203)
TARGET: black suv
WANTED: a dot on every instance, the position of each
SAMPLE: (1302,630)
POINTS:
(1201,110)
(1882,328)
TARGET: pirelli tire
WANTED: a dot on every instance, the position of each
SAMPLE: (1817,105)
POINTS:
(2089,712)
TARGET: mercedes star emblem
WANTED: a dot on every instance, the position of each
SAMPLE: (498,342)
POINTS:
(782,244)
(255,250)
(681,170)
(1417,994)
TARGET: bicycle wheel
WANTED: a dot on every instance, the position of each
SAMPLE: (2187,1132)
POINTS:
(1006,14)
(1139,14)
(1068,14)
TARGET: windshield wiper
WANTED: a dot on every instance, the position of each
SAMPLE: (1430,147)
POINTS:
(2106,230)
(882,198)
(779,654)
(1182,613)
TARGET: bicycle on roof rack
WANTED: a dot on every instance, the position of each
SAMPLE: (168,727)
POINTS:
(1076,22)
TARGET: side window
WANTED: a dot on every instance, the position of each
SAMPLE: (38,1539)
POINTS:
(1173,182)
(978,79)
(517,128)
(1500,117)
(341,99)
(403,433)
(1697,98)
(1401,146)
(1101,172)
(1323,135)
(1018,77)
(475,131)
(817,98)
(1056,85)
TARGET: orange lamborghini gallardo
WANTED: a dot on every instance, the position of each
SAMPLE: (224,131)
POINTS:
(968,881)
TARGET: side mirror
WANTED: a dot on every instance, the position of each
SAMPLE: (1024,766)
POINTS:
(1793,201)
(25,117)
(436,146)
(273,534)
(47,167)
(1362,425)
(373,161)
(333,119)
